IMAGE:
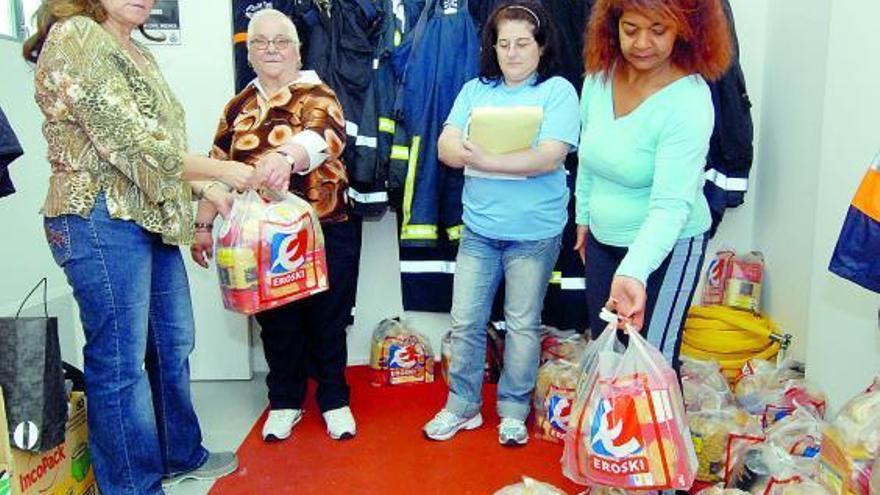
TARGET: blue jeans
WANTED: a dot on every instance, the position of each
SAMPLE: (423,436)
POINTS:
(482,262)
(134,302)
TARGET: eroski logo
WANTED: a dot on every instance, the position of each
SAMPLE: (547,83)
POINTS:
(288,251)
(615,429)
(714,271)
(558,411)
(403,356)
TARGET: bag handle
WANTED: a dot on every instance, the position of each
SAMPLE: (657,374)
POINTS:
(45,283)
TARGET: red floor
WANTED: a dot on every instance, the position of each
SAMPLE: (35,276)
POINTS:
(389,454)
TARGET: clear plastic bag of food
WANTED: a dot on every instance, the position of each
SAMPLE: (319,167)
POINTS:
(703,385)
(711,431)
(719,489)
(799,434)
(851,444)
(529,486)
(399,355)
(631,430)
(800,486)
(269,252)
(553,399)
(558,344)
(761,467)
(775,391)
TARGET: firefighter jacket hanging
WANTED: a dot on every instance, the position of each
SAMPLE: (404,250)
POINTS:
(442,57)
(369,170)
(730,148)
(434,61)
(341,47)
(10,149)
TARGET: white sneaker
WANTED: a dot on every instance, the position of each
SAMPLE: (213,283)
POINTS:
(340,423)
(279,423)
(445,425)
(512,432)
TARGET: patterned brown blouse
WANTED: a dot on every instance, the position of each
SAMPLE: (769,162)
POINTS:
(111,127)
(252,126)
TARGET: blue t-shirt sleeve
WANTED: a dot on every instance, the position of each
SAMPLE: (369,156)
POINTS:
(561,120)
(461,108)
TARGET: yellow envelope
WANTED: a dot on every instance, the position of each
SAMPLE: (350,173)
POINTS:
(500,130)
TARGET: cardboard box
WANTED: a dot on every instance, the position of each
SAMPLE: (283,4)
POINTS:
(64,470)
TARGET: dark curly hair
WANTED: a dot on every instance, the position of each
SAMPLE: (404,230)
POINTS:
(703,45)
(544,32)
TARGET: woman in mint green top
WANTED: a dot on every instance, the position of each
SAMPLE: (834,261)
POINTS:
(646,120)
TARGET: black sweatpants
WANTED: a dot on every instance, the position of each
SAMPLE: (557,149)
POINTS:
(670,290)
(307,337)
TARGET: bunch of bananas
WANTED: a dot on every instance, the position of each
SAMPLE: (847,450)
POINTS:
(729,336)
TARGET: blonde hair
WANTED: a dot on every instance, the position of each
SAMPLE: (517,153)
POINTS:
(52,11)
(285,21)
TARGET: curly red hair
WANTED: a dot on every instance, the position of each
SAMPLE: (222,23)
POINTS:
(703,45)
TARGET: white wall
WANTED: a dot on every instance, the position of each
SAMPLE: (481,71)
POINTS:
(790,146)
(819,130)
(844,334)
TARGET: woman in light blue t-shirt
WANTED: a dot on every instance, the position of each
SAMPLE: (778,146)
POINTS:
(647,117)
(512,225)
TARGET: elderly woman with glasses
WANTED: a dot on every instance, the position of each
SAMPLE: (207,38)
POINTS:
(289,125)
(512,225)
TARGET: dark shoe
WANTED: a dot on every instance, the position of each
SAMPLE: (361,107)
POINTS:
(217,465)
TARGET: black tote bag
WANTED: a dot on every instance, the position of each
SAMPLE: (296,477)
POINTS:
(32,378)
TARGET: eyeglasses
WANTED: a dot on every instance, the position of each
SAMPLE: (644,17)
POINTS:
(262,44)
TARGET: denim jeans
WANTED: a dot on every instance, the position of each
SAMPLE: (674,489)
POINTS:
(526,267)
(134,302)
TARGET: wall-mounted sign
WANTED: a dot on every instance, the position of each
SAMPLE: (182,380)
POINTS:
(164,23)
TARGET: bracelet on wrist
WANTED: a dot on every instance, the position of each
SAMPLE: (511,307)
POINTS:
(204,226)
(209,186)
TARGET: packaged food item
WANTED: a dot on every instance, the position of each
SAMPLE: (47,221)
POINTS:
(799,433)
(720,490)
(743,286)
(529,486)
(711,432)
(800,486)
(774,391)
(761,467)
(804,486)
(270,252)
(399,355)
(851,444)
(717,272)
(629,429)
(558,344)
(703,385)
(553,397)
(796,394)
(607,490)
